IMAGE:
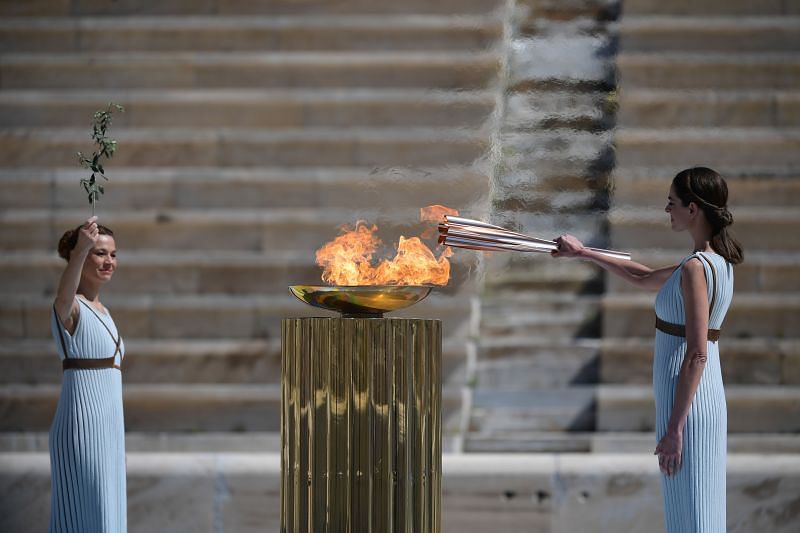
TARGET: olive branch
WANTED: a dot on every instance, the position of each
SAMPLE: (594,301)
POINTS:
(106,149)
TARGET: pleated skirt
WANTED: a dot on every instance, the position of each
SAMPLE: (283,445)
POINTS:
(87,454)
(694,498)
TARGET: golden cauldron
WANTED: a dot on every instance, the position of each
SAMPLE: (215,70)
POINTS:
(361,414)
(363,301)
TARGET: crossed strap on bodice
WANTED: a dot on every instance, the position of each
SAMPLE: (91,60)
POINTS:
(83,363)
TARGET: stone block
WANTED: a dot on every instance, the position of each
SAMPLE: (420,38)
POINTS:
(751,409)
(653,147)
(150,7)
(170,492)
(25,190)
(708,7)
(643,108)
(36,8)
(756,362)
(701,34)
(790,363)
(497,493)
(633,228)
(721,71)
(357,6)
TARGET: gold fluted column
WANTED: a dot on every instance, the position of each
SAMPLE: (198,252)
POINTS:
(361,425)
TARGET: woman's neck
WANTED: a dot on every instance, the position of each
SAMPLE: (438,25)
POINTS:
(89,292)
(701,235)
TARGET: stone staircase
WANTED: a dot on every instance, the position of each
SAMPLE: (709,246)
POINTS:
(565,357)
(252,131)
(716,84)
(533,385)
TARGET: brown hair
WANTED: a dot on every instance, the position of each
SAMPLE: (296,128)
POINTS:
(70,238)
(708,190)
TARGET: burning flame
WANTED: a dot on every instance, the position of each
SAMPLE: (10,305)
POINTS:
(348,259)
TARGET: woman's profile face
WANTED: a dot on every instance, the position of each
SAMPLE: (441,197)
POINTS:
(101,262)
(678,213)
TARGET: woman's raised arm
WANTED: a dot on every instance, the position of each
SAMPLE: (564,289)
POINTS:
(65,305)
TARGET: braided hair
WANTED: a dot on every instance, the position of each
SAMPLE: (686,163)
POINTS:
(708,190)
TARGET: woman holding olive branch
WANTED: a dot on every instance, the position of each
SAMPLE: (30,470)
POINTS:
(87,436)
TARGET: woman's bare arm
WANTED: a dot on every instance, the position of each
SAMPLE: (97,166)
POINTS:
(634,273)
(65,305)
(695,302)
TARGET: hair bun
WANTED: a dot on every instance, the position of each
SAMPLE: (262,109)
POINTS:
(725,216)
(67,243)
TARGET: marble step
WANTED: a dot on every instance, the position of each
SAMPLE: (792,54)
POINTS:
(248,147)
(750,316)
(500,413)
(751,409)
(209,316)
(265,108)
(709,34)
(176,408)
(758,229)
(251,230)
(532,442)
(161,442)
(762,271)
(187,273)
(551,314)
(60,8)
(533,110)
(636,147)
(211,492)
(708,109)
(764,187)
(710,7)
(213,70)
(758,361)
(354,188)
(511,273)
(612,442)
(163,407)
(774,70)
(535,361)
(185,361)
(215,33)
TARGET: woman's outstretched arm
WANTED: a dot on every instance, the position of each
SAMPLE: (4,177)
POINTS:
(65,305)
(635,273)
(695,302)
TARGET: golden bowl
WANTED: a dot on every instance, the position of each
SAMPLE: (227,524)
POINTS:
(363,300)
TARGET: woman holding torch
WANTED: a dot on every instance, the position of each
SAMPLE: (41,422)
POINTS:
(693,298)
(87,437)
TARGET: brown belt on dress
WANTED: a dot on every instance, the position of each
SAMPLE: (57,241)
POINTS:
(106,362)
(678,330)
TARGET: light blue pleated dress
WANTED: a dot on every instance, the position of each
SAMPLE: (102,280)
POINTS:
(87,437)
(694,498)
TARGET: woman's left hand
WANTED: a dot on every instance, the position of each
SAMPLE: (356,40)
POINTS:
(669,452)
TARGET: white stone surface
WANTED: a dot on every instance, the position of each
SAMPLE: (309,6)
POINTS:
(551,493)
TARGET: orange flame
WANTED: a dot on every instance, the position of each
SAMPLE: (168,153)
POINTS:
(347,259)
(435,213)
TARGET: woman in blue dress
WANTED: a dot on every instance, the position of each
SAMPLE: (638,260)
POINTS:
(87,437)
(693,297)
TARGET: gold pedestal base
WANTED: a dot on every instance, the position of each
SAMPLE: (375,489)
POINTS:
(361,425)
